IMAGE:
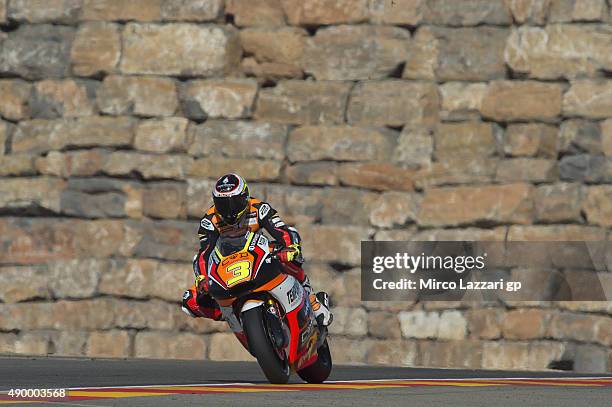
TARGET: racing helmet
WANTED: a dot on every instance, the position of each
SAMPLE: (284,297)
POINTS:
(231,197)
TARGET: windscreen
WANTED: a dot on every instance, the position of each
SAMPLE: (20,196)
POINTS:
(231,244)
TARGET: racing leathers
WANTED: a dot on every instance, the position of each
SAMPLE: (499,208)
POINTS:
(196,300)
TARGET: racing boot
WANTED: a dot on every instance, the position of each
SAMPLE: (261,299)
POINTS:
(319,303)
(320,306)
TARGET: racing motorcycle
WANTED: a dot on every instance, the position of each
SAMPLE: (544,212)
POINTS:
(268,311)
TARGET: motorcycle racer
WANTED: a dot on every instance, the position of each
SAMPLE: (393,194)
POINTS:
(233,213)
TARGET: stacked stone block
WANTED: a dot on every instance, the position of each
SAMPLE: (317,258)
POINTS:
(356,119)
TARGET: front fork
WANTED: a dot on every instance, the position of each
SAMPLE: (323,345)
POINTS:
(278,331)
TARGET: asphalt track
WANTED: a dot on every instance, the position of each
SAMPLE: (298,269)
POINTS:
(152,383)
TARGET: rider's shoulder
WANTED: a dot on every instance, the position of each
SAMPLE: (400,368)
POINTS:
(207,222)
(262,208)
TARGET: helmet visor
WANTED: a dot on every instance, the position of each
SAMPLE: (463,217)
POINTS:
(231,208)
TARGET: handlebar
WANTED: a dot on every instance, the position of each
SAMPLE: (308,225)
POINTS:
(275,248)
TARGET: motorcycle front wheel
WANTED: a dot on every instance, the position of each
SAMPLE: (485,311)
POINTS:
(260,344)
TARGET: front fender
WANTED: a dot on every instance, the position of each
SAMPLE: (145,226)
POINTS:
(250,304)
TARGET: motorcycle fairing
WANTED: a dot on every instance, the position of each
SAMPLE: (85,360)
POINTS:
(234,274)
(293,299)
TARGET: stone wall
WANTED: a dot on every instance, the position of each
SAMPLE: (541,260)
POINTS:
(357,119)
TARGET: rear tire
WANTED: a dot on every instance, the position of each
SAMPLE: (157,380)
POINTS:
(319,371)
(276,370)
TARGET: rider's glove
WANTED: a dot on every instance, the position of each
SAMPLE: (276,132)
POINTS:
(200,284)
(289,253)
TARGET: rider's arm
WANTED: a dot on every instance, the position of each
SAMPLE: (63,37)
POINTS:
(208,234)
(269,220)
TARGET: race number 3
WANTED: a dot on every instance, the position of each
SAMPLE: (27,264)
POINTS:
(241,270)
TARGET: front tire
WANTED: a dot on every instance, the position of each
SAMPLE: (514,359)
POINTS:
(319,371)
(276,370)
